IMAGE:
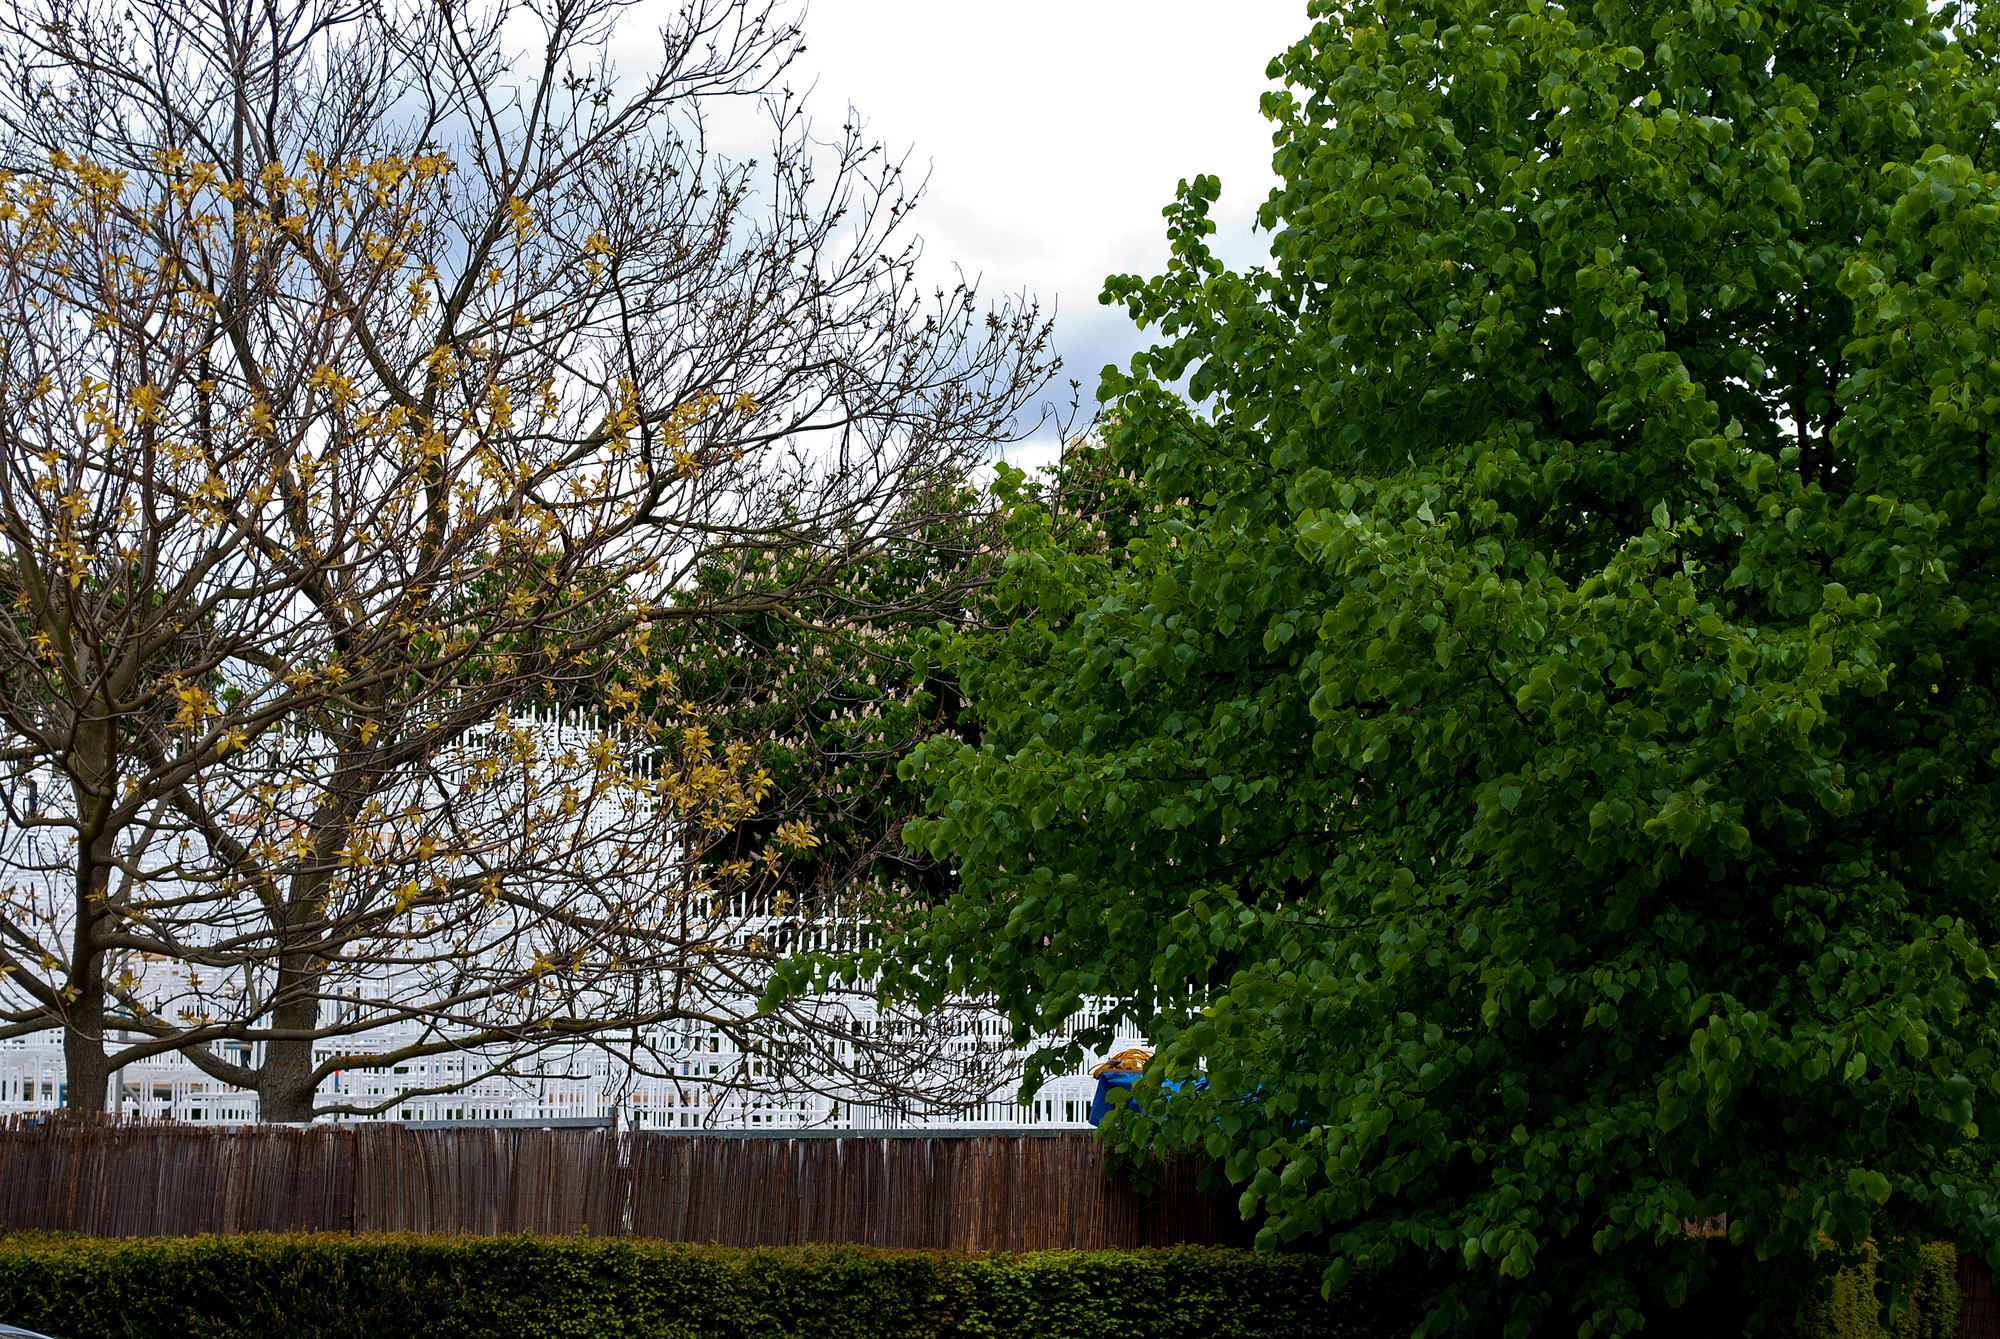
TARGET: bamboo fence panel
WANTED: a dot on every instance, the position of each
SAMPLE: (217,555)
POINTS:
(1978,1300)
(106,1177)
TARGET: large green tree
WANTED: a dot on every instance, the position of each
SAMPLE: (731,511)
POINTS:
(1538,762)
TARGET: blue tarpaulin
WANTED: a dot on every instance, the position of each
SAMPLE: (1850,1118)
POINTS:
(1115,1084)
(1109,1083)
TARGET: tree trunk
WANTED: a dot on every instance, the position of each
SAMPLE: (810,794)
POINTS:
(87,1069)
(285,1079)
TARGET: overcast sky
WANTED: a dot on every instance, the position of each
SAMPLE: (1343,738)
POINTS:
(1055,130)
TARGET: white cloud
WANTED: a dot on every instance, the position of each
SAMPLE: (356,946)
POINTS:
(1054,132)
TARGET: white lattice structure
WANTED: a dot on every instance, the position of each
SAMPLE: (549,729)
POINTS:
(683,1075)
(586,1083)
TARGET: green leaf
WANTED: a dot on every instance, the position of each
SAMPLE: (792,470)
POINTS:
(1870,1185)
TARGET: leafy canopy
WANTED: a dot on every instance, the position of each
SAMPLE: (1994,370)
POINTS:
(1536,759)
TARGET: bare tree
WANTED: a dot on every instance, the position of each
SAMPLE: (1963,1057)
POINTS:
(361,383)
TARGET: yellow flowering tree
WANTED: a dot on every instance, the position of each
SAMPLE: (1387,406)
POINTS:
(363,382)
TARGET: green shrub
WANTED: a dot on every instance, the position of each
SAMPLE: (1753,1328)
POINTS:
(386,1287)
(1855,1309)
(1934,1301)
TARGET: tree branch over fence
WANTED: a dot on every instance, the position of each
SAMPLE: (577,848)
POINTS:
(366,380)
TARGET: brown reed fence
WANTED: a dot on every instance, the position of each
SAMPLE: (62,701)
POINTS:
(983,1192)
(1978,1300)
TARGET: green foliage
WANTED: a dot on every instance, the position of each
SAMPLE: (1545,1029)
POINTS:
(827,680)
(1853,1307)
(1934,1301)
(1851,1311)
(833,685)
(1538,762)
(387,1287)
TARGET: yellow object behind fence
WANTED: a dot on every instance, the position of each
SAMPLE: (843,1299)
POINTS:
(1125,1062)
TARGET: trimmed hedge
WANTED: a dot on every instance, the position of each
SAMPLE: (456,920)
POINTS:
(306,1286)
(389,1287)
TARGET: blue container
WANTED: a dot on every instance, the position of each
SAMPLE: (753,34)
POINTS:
(1114,1089)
